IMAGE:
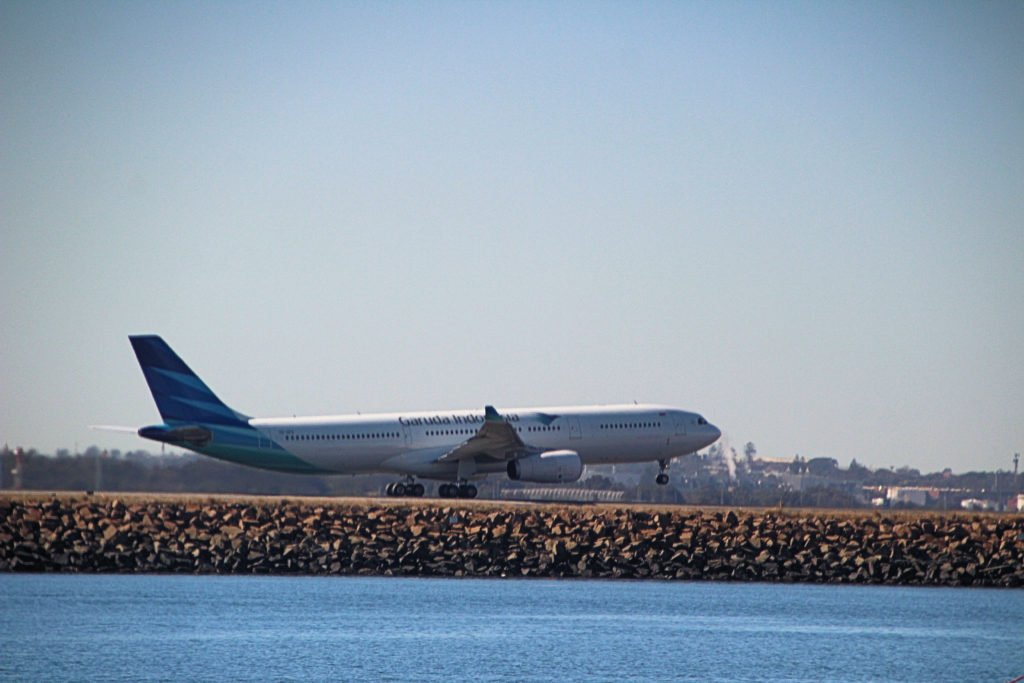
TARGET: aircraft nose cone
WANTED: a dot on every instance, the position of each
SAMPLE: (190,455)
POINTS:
(714,433)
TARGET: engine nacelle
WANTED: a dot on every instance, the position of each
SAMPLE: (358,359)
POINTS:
(550,467)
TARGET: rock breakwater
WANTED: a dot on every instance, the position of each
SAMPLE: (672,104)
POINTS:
(426,538)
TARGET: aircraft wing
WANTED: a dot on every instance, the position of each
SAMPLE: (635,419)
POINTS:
(496,439)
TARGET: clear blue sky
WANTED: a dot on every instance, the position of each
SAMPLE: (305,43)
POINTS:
(803,220)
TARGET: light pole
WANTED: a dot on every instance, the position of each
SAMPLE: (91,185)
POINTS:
(1016,481)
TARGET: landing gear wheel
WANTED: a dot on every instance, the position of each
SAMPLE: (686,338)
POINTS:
(446,490)
(467,491)
(407,488)
(662,477)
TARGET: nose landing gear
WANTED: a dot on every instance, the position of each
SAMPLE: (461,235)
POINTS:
(662,477)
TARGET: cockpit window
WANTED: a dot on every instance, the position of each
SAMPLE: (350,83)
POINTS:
(701,421)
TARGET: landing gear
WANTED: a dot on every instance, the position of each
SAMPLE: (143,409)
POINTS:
(461,490)
(662,477)
(407,488)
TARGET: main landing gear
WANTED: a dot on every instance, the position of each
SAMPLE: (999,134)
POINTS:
(662,477)
(406,488)
(460,490)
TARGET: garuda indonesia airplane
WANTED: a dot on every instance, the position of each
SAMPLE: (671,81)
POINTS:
(544,445)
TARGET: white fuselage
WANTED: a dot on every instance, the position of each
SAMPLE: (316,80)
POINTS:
(411,443)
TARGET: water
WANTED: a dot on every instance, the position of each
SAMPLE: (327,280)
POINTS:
(68,627)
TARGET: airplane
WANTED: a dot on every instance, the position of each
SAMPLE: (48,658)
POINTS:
(456,447)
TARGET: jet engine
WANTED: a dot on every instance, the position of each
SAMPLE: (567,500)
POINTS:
(550,467)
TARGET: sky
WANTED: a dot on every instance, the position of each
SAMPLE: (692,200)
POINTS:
(803,220)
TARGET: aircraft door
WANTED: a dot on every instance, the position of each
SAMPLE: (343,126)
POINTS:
(680,425)
(575,432)
(406,434)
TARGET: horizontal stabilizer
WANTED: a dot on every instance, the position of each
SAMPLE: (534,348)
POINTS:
(114,428)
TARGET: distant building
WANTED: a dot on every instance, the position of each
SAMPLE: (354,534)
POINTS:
(771,464)
(978,504)
(1016,504)
(799,482)
(906,495)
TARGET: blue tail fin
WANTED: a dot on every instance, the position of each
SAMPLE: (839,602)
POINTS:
(196,419)
(181,397)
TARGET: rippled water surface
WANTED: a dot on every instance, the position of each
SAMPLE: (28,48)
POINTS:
(68,627)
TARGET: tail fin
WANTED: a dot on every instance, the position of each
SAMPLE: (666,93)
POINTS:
(181,397)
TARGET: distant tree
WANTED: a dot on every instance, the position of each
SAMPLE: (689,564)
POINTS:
(750,452)
(821,466)
(908,473)
(828,497)
(598,482)
(855,472)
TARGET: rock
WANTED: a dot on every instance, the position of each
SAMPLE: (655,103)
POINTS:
(290,537)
